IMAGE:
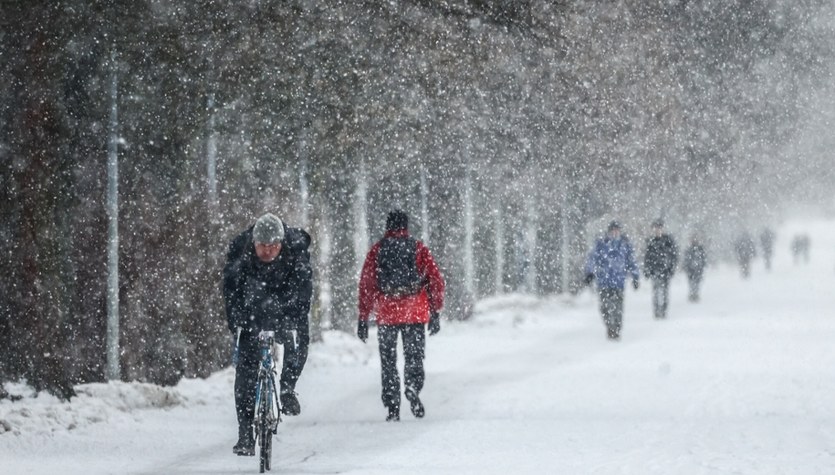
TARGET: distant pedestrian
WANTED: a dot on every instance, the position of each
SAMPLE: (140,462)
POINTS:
(767,238)
(611,259)
(660,261)
(800,248)
(695,261)
(400,284)
(745,250)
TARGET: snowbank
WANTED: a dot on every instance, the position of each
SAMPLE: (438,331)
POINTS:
(107,402)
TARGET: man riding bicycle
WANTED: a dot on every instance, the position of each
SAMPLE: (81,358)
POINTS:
(267,285)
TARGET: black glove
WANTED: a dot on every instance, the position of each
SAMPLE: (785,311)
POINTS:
(636,283)
(434,323)
(588,279)
(362,330)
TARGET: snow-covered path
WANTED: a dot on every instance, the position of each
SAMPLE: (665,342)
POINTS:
(742,382)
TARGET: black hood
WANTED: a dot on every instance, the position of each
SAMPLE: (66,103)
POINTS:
(296,238)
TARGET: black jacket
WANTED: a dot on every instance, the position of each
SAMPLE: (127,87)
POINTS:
(268,296)
(745,248)
(661,257)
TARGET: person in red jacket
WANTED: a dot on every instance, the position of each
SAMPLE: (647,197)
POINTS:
(402,286)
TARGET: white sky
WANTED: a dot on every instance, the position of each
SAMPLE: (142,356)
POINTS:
(742,382)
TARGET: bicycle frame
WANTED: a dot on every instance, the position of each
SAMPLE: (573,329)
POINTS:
(267,369)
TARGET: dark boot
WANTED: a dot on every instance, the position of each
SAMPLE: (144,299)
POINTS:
(246,443)
(290,404)
(417,406)
(394,414)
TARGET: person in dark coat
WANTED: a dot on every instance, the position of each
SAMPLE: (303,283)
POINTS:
(267,285)
(403,287)
(695,261)
(660,261)
(609,262)
(745,250)
(800,248)
(767,238)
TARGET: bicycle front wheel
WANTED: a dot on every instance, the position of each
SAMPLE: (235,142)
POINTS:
(264,429)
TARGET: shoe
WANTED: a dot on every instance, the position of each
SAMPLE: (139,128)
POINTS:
(394,414)
(246,444)
(417,406)
(290,404)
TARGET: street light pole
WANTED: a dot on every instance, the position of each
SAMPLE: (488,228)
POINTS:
(112,337)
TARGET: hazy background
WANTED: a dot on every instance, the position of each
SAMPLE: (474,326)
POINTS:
(510,131)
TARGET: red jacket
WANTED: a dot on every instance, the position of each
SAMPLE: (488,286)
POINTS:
(406,309)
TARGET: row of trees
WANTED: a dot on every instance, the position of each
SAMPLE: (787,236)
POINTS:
(508,130)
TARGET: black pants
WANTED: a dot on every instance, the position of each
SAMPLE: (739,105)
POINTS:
(246,373)
(611,307)
(694,281)
(660,296)
(414,350)
(745,267)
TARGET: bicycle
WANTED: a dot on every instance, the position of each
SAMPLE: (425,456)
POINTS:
(267,402)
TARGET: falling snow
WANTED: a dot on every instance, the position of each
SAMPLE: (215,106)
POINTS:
(139,137)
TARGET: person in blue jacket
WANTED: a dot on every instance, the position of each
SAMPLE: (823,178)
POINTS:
(609,262)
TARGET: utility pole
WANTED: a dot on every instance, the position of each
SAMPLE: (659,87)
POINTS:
(361,218)
(424,206)
(498,243)
(564,245)
(211,159)
(112,337)
(304,180)
(469,230)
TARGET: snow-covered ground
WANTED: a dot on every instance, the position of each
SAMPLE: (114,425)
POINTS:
(742,382)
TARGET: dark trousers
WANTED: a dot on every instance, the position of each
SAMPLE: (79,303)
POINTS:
(745,267)
(660,296)
(246,373)
(694,282)
(414,350)
(611,307)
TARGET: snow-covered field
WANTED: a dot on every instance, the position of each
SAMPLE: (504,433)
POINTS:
(742,382)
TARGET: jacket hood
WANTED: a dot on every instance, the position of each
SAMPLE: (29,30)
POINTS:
(296,238)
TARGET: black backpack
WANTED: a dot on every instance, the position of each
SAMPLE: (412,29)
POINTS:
(397,273)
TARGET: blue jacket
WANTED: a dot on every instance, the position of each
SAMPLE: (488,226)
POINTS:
(610,261)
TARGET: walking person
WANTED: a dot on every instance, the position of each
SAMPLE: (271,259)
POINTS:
(745,251)
(267,285)
(611,259)
(767,238)
(800,248)
(695,261)
(402,286)
(660,260)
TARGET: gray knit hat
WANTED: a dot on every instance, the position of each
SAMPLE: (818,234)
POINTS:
(268,229)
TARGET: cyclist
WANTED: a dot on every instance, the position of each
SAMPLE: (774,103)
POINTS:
(267,285)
